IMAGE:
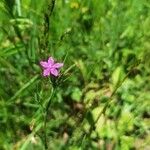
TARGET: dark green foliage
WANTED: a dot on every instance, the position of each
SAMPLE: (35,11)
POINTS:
(101,98)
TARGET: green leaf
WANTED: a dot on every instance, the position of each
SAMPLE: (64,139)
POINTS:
(117,76)
(76,94)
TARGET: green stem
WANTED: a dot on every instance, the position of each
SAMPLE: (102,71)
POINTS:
(108,102)
(18,7)
(45,117)
(111,98)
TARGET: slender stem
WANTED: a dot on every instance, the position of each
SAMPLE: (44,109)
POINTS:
(111,98)
(45,117)
(45,133)
(18,7)
(108,102)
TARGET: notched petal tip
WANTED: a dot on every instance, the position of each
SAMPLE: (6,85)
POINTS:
(50,61)
(58,65)
(46,72)
(44,64)
(54,72)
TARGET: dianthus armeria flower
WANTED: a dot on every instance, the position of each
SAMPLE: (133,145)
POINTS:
(50,67)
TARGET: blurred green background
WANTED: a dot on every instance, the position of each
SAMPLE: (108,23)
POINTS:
(105,47)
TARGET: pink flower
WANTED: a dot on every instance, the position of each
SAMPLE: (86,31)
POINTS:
(50,67)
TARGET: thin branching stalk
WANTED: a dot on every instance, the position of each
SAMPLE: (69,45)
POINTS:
(44,40)
(92,127)
(46,115)
(111,97)
(18,7)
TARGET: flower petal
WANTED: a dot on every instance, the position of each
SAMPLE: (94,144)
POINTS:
(58,65)
(44,64)
(54,72)
(50,61)
(46,72)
